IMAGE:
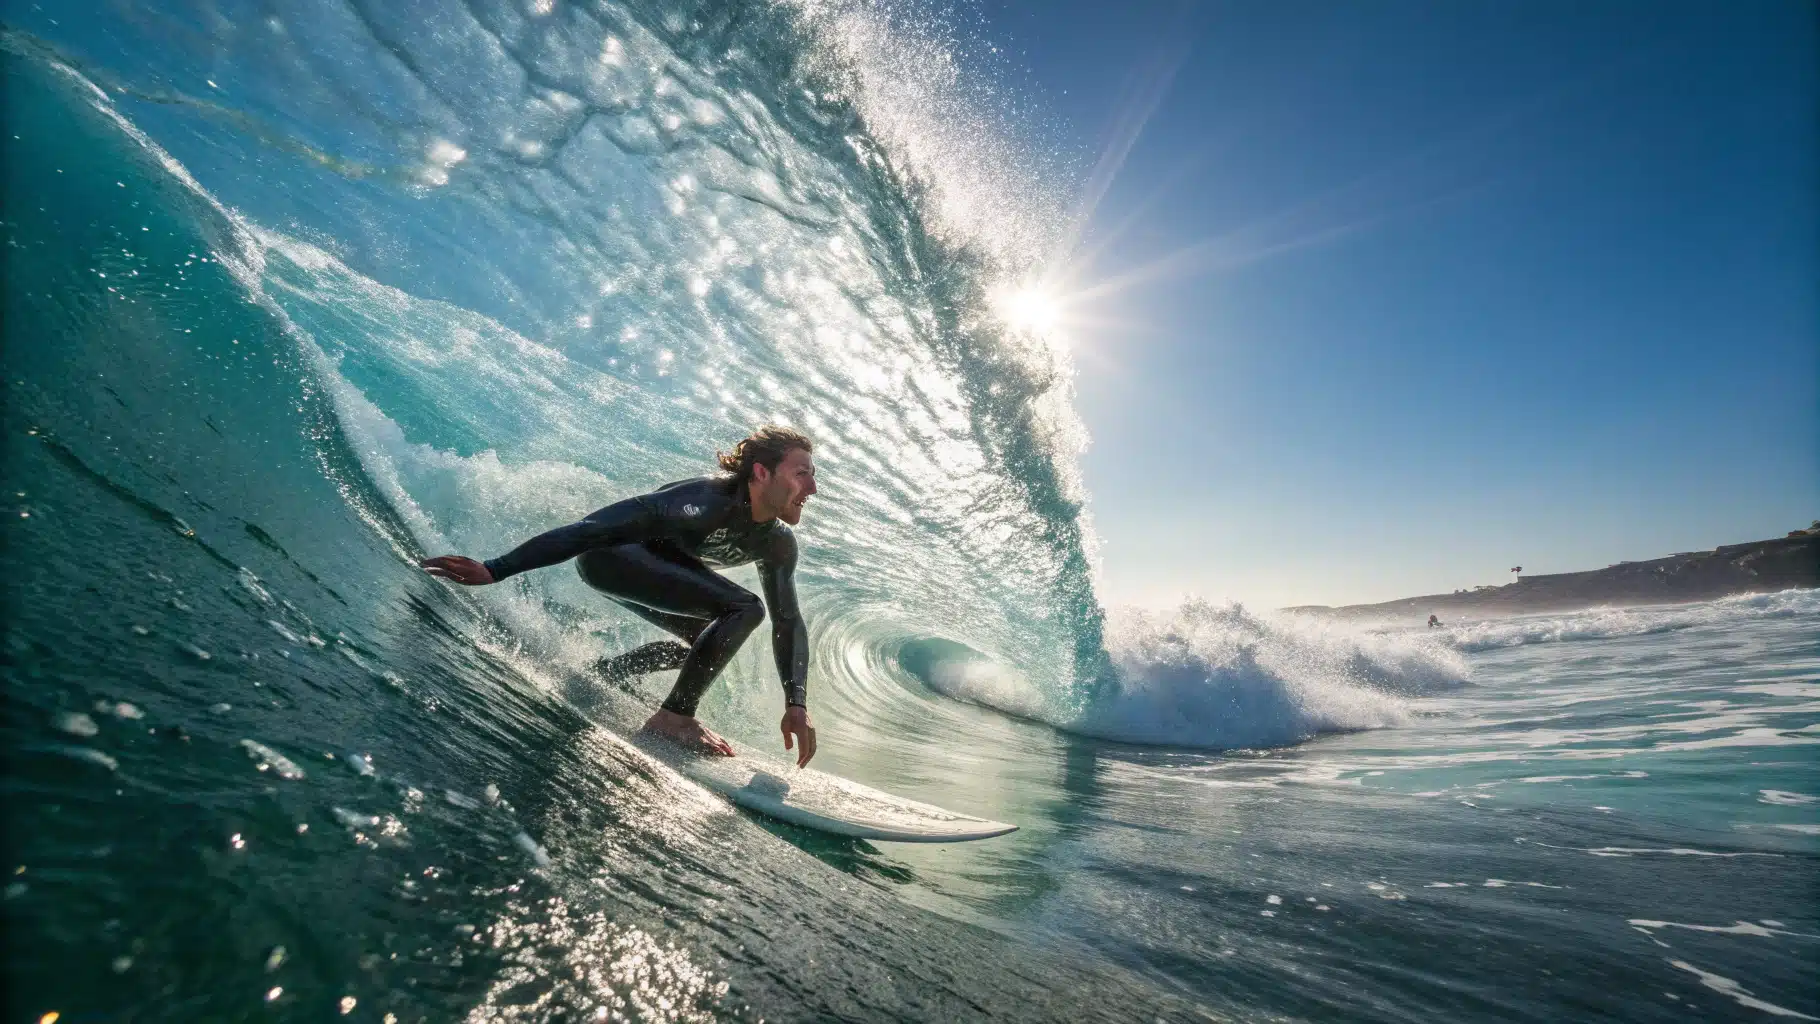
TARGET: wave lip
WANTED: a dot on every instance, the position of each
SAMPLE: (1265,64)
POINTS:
(1220,677)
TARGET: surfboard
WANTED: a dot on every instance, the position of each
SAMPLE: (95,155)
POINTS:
(817,800)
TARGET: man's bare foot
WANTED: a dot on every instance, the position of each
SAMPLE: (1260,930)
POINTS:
(687,732)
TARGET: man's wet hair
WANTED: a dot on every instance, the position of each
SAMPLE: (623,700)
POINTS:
(766,447)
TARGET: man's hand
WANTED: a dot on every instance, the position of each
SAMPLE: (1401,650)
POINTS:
(459,568)
(796,724)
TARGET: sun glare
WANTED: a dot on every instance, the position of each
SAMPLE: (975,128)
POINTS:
(1030,309)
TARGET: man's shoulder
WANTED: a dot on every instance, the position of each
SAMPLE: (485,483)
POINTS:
(696,498)
(780,543)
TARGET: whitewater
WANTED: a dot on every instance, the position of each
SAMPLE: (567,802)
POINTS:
(295,298)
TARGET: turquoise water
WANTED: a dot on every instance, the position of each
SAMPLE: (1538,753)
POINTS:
(293,298)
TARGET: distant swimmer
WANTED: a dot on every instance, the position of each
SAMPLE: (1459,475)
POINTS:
(652,554)
(1433,622)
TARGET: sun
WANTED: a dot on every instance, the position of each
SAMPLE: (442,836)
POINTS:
(1031,309)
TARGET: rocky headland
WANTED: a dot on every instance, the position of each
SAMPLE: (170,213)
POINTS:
(1751,568)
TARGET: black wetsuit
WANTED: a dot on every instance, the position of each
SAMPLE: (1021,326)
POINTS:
(652,554)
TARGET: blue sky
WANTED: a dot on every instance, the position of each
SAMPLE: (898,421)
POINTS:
(1451,286)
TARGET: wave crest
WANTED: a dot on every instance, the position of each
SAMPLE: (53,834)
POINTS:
(1221,677)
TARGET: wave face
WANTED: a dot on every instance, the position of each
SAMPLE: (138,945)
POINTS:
(542,257)
(308,299)
(560,256)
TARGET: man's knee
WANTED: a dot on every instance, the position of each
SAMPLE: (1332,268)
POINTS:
(745,612)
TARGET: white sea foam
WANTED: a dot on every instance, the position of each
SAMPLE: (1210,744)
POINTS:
(1757,929)
(1679,851)
(538,855)
(1221,676)
(1738,993)
(268,759)
(1605,623)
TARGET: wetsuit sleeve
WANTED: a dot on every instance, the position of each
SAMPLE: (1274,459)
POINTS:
(789,634)
(624,522)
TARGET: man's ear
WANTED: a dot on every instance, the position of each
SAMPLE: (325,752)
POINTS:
(760,474)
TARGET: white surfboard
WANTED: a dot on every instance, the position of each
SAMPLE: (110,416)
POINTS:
(817,800)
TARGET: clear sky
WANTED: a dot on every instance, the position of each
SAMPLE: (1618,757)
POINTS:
(1391,296)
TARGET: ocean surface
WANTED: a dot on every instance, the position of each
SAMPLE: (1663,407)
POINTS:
(297,294)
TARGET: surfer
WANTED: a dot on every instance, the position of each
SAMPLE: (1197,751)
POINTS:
(652,554)
(1433,621)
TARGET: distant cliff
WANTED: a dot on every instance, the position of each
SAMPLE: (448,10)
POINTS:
(1756,567)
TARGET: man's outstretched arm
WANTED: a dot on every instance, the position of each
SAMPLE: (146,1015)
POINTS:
(789,642)
(623,522)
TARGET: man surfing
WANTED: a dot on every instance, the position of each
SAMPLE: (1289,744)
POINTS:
(652,555)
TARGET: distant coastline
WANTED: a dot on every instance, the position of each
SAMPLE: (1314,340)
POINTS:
(1755,567)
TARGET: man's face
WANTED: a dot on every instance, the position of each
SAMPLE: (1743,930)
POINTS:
(788,486)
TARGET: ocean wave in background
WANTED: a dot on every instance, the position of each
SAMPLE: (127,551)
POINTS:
(1606,623)
(1221,677)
